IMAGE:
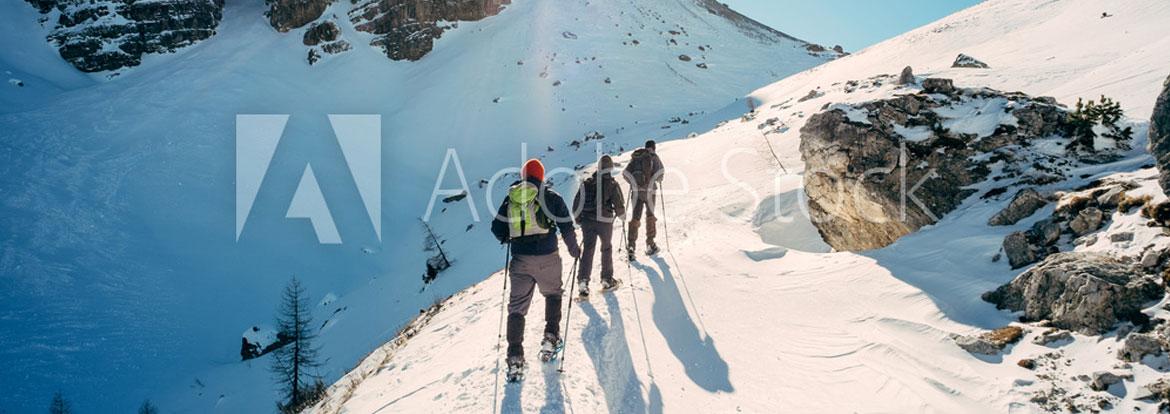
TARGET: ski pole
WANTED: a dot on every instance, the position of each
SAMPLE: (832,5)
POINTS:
(500,330)
(568,313)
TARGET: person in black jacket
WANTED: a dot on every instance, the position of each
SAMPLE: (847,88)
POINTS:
(644,174)
(528,221)
(598,201)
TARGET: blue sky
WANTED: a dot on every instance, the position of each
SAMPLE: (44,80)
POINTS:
(853,24)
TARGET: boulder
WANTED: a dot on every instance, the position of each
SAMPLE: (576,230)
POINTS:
(1026,247)
(1138,345)
(989,343)
(1101,380)
(1052,335)
(964,61)
(323,32)
(907,76)
(1022,206)
(1151,259)
(1122,237)
(1157,390)
(1018,250)
(1084,292)
(938,85)
(1160,136)
(1087,221)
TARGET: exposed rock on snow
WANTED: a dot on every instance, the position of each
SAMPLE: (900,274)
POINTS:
(285,15)
(324,32)
(964,61)
(990,343)
(879,170)
(907,76)
(407,29)
(1160,135)
(328,36)
(1052,336)
(1084,292)
(1026,247)
(1087,221)
(1101,380)
(1138,345)
(1023,205)
(107,35)
(938,85)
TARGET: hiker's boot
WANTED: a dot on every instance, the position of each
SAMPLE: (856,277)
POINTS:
(551,347)
(516,365)
(609,285)
(651,248)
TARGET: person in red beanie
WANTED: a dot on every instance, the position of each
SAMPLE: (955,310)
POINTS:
(528,221)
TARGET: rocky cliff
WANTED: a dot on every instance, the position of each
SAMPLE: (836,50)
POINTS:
(108,35)
(407,29)
(879,170)
(1160,135)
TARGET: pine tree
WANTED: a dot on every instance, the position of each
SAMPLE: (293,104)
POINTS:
(147,408)
(291,363)
(59,405)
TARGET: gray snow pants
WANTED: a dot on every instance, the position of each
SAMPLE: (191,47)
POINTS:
(526,274)
(594,231)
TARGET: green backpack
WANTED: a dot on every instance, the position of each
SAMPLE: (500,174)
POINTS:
(525,218)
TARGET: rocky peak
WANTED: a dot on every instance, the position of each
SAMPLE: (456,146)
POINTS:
(407,29)
(108,35)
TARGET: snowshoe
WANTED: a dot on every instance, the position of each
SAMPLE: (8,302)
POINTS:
(516,368)
(583,294)
(651,249)
(610,285)
(550,348)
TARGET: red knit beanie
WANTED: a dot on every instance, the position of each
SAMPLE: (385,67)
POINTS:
(533,169)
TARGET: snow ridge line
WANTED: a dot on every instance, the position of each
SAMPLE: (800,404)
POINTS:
(412,329)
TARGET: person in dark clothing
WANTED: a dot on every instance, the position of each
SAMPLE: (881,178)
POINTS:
(598,201)
(644,174)
(528,221)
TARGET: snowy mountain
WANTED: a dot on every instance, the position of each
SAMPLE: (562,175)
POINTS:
(125,270)
(749,310)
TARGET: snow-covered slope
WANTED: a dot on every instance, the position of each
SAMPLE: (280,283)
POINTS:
(748,312)
(120,277)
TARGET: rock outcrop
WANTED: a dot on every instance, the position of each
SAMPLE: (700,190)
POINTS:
(882,169)
(1160,136)
(1083,292)
(907,76)
(1026,247)
(407,29)
(285,15)
(1023,205)
(324,38)
(1138,345)
(108,35)
(989,343)
(965,61)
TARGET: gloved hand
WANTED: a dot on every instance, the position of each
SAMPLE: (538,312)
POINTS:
(575,251)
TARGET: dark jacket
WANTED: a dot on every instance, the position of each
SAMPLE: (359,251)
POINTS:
(553,207)
(599,199)
(644,172)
